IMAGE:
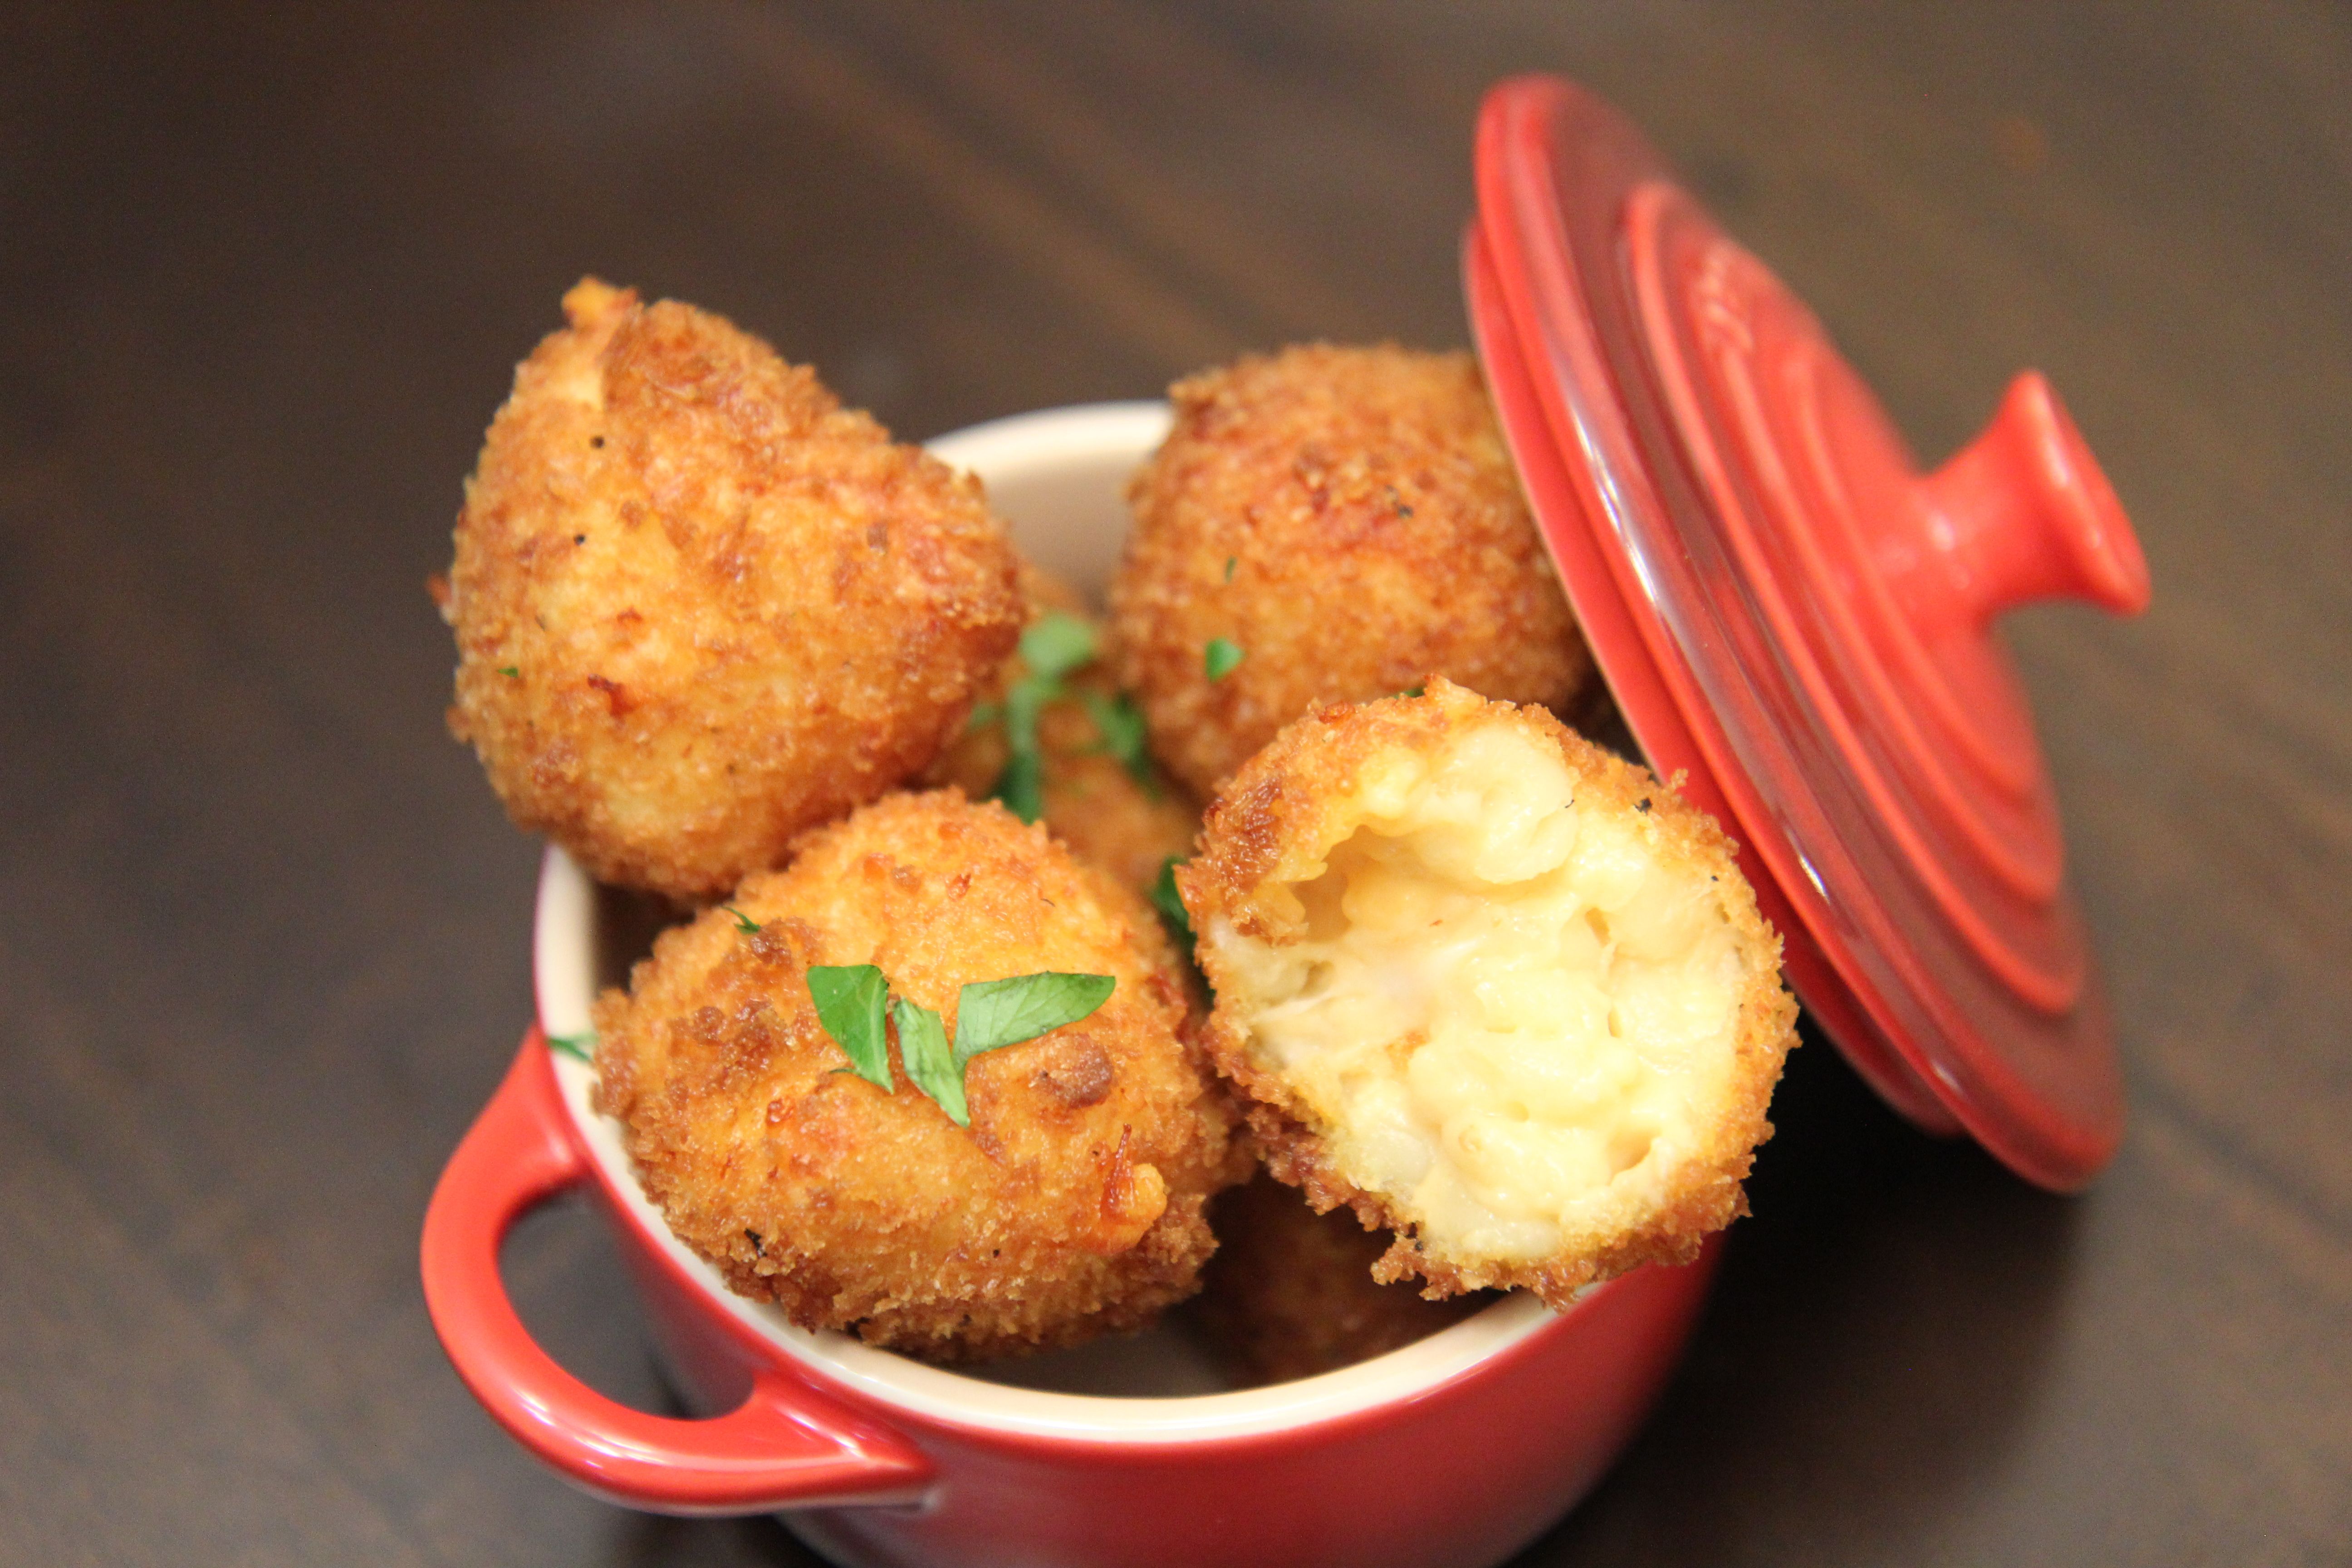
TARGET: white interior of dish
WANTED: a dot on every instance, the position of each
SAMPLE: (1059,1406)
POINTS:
(1058,477)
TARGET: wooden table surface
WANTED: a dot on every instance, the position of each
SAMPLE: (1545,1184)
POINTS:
(262,925)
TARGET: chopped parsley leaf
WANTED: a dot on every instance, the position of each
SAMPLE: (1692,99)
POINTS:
(1171,905)
(851,1001)
(1119,722)
(580,1047)
(849,998)
(1021,786)
(1056,644)
(931,1065)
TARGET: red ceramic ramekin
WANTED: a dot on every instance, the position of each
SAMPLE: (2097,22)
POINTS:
(1456,1450)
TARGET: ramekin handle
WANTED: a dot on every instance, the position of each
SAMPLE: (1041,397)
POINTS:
(784,1446)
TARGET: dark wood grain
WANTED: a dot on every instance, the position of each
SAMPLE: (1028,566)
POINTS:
(262,928)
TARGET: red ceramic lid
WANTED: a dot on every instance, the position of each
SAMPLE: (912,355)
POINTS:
(1794,616)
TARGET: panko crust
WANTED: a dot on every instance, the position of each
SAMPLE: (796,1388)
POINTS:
(1349,518)
(1129,826)
(1073,1205)
(699,607)
(1290,1292)
(1261,833)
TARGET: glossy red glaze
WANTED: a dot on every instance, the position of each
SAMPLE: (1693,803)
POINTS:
(1462,1472)
(1790,611)
(1639,683)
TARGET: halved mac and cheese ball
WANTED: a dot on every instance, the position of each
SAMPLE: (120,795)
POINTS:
(1491,987)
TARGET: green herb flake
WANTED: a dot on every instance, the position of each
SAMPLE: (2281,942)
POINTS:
(1022,707)
(993,1013)
(512,672)
(743,923)
(1411,691)
(852,1000)
(1056,644)
(931,1065)
(1222,656)
(1171,905)
(849,998)
(1231,561)
(1021,786)
(580,1046)
(1053,646)
(1120,723)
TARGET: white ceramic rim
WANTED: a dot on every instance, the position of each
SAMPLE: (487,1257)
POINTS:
(1002,452)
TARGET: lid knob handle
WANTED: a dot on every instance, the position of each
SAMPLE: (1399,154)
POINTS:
(2023,512)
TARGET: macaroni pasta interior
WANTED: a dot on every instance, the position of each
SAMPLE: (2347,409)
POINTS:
(1512,1013)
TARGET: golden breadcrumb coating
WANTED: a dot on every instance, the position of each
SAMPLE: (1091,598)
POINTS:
(1347,518)
(700,607)
(1128,825)
(1490,985)
(1290,1292)
(1071,1206)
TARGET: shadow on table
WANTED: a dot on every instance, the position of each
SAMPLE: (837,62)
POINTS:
(651,1539)
(1873,1341)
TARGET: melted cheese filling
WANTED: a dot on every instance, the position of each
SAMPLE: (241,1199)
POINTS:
(1510,1016)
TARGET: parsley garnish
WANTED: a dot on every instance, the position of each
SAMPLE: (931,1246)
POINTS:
(512,672)
(1171,905)
(1231,561)
(990,1014)
(1051,646)
(743,923)
(1119,722)
(1056,645)
(931,1065)
(1021,786)
(848,999)
(1221,655)
(580,1047)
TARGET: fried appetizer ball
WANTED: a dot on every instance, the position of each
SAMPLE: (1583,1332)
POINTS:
(699,606)
(1290,1292)
(1072,1204)
(1491,987)
(1346,521)
(1092,801)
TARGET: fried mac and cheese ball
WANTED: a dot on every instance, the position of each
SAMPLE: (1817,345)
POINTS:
(699,606)
(1491,987)
(1071,1206)
(1290,1292)
(1347,521)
